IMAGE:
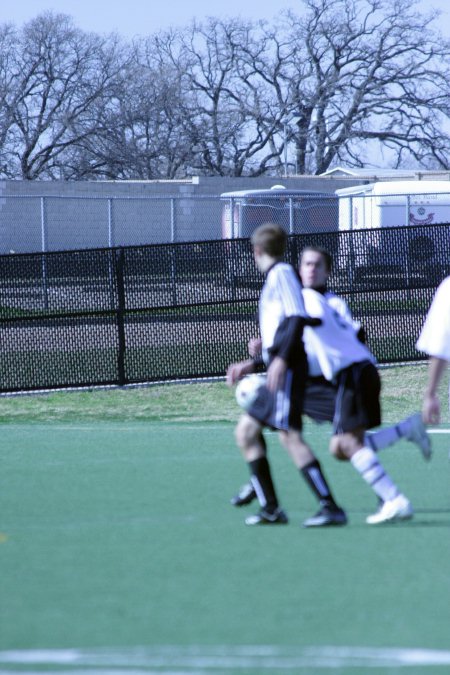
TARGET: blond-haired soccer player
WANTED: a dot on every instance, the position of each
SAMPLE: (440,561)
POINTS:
(278,405)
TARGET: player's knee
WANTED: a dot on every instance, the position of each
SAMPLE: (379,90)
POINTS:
(337,450)
(296,447)
(284,439)
(246,432)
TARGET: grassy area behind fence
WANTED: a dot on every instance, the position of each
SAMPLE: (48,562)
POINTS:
(402,388)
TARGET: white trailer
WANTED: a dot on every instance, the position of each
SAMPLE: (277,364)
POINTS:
(381,205)
(393,204)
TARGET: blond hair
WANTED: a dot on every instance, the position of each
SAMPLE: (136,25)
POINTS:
(271,238)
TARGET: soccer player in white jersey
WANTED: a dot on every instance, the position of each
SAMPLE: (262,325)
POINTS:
(278,404)
(346,362)
(434,340)
(320,394)
(315,268)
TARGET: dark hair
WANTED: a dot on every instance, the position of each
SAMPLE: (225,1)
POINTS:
(271,239)
(326,255)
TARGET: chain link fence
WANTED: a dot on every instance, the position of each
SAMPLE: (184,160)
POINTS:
(114,316)
(32,224)
(42,224)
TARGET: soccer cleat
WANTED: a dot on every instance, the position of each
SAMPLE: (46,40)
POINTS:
(392,510)
(418,435)
(245,495)
(278,517)
(326,517)
(380,505)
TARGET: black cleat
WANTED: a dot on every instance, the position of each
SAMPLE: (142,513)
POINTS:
(326,517)
(278,517)
(245,495)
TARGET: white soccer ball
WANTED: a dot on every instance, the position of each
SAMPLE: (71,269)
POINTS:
(247,389)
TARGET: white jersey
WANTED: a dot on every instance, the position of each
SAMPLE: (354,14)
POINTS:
(434,339)
(334,344)
(281,297)
(340,306)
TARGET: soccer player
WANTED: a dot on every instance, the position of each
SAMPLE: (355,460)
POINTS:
(434,340)
(320,394)
(278,405)
(315,268)
(348,363)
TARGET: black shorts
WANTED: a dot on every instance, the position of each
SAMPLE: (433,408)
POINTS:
(319,400)
(282,410)
(357,398)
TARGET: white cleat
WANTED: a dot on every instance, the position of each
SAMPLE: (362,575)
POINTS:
(418,435)
(393,510)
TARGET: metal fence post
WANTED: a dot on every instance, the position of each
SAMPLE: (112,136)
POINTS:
(110,224)
(119,263)
(44,245)
(291,215)
(408,240)
(173,232)
(173,263)
(232,235)
(351,274)
(110,246)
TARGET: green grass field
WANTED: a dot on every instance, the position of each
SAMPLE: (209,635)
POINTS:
(120,552)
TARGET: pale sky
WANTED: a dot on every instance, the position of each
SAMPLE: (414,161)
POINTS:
(143,17)
(140,17)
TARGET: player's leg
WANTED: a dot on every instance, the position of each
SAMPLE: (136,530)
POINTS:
(310,469)
(350,446)
(358,408)
(250,439)
(303,457)
(411,428)
(318,403)
(244,496)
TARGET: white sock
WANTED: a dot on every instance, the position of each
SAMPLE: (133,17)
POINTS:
(383,438)
(404,427)
(367,465)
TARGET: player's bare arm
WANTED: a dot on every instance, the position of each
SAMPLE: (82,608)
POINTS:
(237,370)
(431,409)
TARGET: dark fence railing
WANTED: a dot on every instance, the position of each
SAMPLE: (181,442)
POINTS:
(180,311)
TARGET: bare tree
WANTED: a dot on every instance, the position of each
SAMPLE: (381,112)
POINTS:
(8,94)
(185,107)
(345,81)
(368,76)
(142,132)
(60,76)
(227,117)
(145,137)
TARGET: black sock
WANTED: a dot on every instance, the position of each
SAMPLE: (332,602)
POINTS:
(262,482)
(313,475)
